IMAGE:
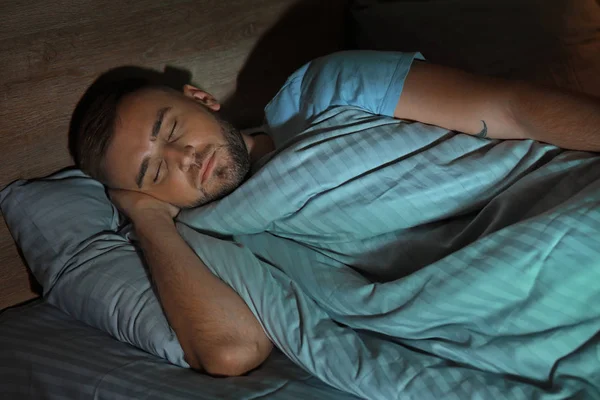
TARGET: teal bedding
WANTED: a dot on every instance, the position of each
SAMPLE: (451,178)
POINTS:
(400,260)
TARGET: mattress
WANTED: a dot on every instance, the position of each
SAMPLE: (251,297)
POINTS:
(44,353)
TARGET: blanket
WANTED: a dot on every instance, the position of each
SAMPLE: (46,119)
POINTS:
(400,260)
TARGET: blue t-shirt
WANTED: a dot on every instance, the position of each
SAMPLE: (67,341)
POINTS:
(371,80)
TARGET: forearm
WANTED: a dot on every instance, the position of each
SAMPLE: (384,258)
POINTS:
(565,119)
(498,108)
(212,323)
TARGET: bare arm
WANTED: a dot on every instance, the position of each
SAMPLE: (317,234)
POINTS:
(216,329)
(499,109)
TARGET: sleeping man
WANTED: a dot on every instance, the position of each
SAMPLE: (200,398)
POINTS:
(159,151)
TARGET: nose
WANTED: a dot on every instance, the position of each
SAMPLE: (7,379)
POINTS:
(184,157)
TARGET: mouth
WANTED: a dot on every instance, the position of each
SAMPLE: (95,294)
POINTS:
(209,165)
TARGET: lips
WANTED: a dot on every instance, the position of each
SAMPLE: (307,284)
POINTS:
(209,164)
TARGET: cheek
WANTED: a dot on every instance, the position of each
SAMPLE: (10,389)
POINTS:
(119,175)
(174,189)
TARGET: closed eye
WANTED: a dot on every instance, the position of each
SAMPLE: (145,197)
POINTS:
(158,171)
(161,163)
(172,131)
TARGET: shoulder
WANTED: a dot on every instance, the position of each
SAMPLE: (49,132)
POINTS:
(359,78)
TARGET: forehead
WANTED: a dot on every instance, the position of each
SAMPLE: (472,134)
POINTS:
(144,103)
(136,115)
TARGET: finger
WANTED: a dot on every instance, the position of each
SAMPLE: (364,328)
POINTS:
(174,211)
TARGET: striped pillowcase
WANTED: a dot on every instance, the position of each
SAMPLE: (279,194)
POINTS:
(68,231)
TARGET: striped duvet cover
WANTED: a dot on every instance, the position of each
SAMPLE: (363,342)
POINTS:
(400,260)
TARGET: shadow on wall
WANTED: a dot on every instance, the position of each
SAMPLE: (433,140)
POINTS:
(553,42)
(547,41)
(309,29)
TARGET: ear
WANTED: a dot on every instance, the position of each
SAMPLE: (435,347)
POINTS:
(202,97)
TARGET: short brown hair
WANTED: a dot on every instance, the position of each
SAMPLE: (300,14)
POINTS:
(96,125)
(95,116)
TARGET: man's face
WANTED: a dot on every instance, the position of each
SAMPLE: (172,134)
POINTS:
(173,147)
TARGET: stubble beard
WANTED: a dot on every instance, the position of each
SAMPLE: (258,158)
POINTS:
(235,165)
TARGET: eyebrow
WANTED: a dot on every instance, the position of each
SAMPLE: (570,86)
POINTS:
(160,115)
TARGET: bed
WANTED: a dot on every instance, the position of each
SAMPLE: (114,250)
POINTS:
(47,354)
(43,346)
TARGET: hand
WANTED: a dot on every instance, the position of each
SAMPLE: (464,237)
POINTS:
(136,205)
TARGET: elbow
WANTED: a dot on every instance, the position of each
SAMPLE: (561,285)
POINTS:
(230,361)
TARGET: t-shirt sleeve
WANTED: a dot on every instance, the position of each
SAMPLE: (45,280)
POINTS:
(371,80)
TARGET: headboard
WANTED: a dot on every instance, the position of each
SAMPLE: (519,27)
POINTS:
(239,50)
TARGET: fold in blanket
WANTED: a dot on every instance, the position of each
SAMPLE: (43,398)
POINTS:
(398,260)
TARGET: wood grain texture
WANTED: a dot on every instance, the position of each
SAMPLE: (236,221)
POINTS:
(52,50)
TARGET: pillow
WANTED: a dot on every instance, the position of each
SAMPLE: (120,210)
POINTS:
(68,232)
